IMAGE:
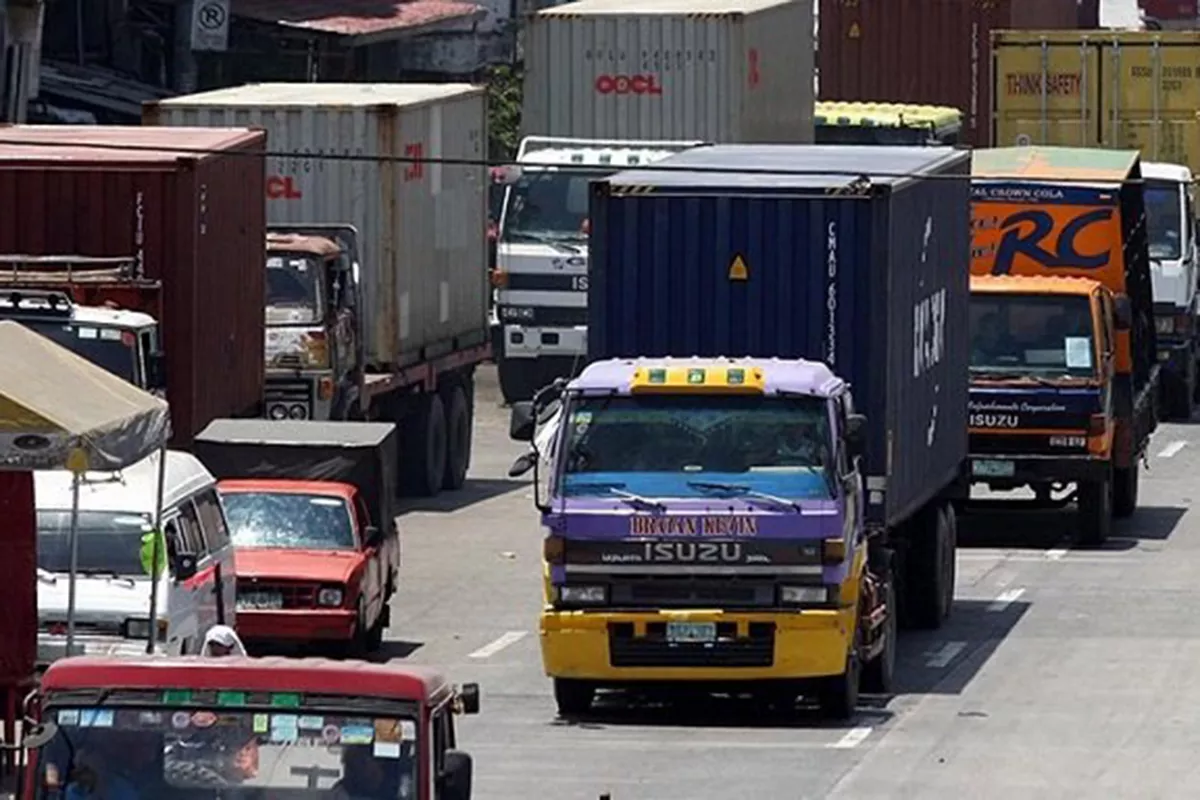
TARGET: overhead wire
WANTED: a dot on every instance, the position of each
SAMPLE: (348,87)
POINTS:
(657,166)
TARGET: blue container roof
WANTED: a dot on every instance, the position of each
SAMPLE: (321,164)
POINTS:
(883,165)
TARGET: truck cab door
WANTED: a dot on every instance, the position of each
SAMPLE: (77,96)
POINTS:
(375,570)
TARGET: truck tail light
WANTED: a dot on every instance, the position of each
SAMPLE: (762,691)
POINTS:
(553,550)
(325,388)
(499,278)
(1097,424)
(833,551)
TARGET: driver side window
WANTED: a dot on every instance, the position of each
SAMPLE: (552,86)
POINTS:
(843,462)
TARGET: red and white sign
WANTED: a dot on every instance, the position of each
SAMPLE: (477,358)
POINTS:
(628,84)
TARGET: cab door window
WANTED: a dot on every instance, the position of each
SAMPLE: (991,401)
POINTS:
(212,521)
(189,528)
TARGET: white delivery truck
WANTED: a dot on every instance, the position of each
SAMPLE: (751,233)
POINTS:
(613,84)
(377,276)
(1171,230)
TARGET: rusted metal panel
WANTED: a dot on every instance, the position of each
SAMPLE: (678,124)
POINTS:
(18,579)
(422,226)
(192,218)
(925,51)
(714,70)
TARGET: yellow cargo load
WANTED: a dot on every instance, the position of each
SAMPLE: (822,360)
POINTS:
(1113,89)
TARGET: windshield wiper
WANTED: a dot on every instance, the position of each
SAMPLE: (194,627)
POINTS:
(97,572)
(551,241)
(743,490)
(629,497)
(47,576)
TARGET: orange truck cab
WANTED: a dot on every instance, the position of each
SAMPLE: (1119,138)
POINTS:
(252,728)
(1064,373)
(309,506)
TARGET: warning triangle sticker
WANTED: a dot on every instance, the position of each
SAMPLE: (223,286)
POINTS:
(737,270)
(854,31)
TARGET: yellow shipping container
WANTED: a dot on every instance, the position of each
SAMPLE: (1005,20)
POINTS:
(1119,89)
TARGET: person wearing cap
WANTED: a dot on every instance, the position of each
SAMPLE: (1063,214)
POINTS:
(222,640)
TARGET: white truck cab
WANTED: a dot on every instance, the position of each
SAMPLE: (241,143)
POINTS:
(1171,231)
(541,274)
(126,343)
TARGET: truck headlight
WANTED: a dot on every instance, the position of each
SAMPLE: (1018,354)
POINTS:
(330,597)
(804,595)
(139,628)
(582,595)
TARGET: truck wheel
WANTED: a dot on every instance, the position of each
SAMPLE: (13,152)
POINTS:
(1177,394)
(519,379)
(929,567)
(458,440)
(1125,491)
(1095,501)
(879,673)
(423,450)
(837,697)
(573,697)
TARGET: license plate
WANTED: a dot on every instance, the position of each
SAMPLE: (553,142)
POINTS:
(691,632)
(253,601)
(993,469)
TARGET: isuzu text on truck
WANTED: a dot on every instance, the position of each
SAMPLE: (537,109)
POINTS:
(1063,369)
(732,520)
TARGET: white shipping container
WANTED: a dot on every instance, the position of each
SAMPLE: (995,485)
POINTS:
(422,227)
(731,71)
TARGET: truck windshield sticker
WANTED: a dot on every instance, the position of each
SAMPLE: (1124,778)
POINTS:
(1079,352)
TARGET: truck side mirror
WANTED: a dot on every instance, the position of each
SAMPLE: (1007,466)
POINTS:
(156,371)
(521,422)
(371,536)
(856,425)
(523,464)
(1122,312)
(185,567)
(469,694)
(455,779)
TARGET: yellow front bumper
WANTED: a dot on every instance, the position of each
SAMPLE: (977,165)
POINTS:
(808,644)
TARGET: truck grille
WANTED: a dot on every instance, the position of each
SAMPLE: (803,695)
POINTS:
(1017,444)
(691,593)
(757,649)
(294,595)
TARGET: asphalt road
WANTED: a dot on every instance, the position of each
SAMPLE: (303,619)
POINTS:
(1063,672)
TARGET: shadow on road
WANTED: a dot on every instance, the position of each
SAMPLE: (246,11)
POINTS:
(475,491)
(946,660)
(396,648)
(1015,527)
(1149,523)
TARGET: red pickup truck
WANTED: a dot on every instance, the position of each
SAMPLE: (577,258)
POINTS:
(310,514)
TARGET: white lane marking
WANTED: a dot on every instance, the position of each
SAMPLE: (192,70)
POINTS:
(1056,554)
(1005,599)
(852,738)
(1070,557)
(490,649)
(1172,449)
(941,658)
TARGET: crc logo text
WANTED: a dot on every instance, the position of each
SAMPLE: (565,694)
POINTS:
(628,84)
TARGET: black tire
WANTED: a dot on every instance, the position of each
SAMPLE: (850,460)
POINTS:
(519,378)
(458,440)
(879,673)
(573,697)
(1125,491)
(1178,392)
(929,568)
(372,639)
(1095,502)
(423,449)
(837,697)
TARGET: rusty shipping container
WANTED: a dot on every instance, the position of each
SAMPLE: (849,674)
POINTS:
(193,221)
(422,226)
(924,51)
(713,70)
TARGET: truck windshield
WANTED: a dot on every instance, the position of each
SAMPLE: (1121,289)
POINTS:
(548,204)
(677,446)
(282,519)
(1164,218)
(294,291)
(109,542)
(1048,336)
(226,753)
(111,349)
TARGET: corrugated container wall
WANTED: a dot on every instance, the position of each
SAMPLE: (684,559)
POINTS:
(874,283)
(422,227)
(924,51)
(1126,90)
(709,70)
(192,221)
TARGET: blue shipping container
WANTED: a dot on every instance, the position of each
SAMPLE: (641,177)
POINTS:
(856,268)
